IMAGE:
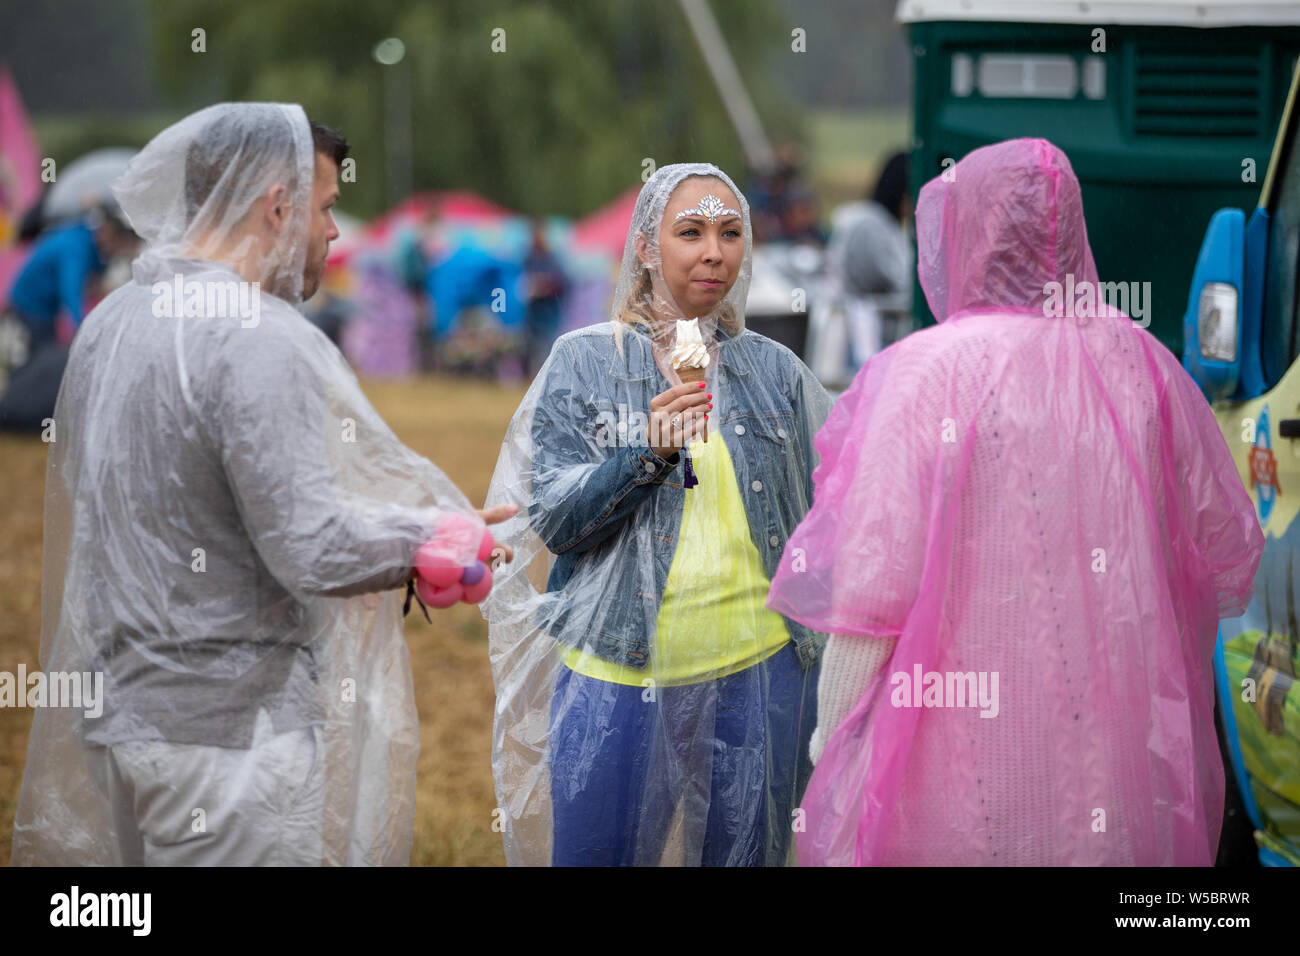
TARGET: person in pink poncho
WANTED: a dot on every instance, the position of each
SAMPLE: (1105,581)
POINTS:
(1025,530)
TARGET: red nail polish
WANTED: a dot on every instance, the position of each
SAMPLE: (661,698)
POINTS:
(708,396)
(710,404)
(701,384)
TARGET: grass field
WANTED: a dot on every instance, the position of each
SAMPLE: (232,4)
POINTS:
(458,425)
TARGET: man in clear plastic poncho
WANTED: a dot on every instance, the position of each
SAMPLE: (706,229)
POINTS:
(226,517)
(650,710)
(1026,529)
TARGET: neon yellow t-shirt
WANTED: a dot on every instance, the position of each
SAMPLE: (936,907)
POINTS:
(712,621)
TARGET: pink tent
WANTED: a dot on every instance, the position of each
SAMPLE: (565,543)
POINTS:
(460,206)
(606,228)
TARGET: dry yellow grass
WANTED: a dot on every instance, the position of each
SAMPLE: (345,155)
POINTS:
(456,424)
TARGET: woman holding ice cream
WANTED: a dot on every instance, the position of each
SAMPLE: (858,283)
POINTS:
(649,708)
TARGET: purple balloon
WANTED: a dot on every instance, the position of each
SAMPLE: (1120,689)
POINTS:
(472,576)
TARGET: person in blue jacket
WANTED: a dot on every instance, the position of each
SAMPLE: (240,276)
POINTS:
(62,262)
(54,279)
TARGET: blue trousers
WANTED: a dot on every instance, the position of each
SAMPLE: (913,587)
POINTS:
(730,754)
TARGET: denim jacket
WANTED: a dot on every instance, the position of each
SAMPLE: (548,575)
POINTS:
(610,509)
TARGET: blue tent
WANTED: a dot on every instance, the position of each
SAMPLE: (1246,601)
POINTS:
(472,277)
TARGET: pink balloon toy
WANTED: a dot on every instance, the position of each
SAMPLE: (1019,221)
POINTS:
(442,580)
(477,592)
(441,598)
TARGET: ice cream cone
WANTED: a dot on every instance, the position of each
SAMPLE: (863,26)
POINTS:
(689,357)
(689,374)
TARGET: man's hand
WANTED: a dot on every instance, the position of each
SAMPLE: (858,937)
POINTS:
(502,552)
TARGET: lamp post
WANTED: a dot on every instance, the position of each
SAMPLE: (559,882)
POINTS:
(717,57)
(391,53)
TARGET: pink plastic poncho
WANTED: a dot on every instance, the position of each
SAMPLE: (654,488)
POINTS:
(1047,502)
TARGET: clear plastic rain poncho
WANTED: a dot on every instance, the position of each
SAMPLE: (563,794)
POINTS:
(650,710)
(1043,513)
(226,519)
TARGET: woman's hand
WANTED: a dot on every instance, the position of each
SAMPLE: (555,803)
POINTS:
(677,416)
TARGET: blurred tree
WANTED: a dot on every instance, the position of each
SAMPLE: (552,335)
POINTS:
(558,123)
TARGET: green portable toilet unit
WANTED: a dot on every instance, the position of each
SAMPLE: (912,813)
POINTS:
(1166,109)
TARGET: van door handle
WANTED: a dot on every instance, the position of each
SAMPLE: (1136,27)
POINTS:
(1289,428)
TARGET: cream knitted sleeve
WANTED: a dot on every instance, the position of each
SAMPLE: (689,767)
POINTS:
(848,666)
